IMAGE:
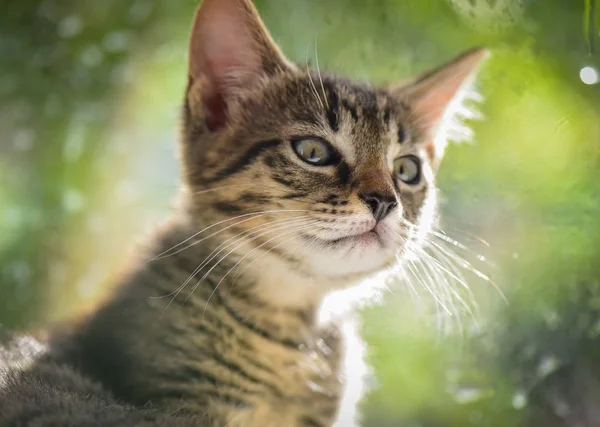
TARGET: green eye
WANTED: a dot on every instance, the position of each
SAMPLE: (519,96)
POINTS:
(408,170)
(313,151)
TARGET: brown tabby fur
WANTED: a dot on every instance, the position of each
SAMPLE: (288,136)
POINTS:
(251,341)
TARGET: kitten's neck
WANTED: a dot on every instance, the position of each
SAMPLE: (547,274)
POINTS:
(266,292)
(267,274)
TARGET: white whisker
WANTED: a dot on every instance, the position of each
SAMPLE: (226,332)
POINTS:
(448,287)
(312,83)
(319,73)
(467,266)
(415,272)
(223,246)
(260,246)
(259,213)
(294,230)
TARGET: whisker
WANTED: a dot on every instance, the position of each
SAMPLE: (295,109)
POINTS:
(407,280)
(467,266)
(258,247)
(259,213)
(474,236)
(441,284)
(209,190)
(446,238)
(307,245)
(312,83)
(261,229)
(401,263)
(451,255)
(438,316)
(223,246)
(319,73)
(448,285)
(455,275)
(415,272)
(294,230)
(471,310)
(431,271)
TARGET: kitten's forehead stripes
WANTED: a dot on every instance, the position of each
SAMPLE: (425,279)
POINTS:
(333,108)
(359,101)
(351,109)
(370,108)
(387,115)
(363,104)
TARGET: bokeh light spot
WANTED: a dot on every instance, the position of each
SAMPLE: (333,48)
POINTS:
(589,75)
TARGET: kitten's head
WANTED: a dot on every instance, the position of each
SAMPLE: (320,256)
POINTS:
(327,175)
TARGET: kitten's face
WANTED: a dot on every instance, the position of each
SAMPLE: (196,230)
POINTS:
(341,171)
(329,176)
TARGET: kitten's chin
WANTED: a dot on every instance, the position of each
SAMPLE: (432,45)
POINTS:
(364,254)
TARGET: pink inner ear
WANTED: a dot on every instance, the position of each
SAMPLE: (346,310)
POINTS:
(216,111)
(431,106)
(226,50)
(227,53)
(436,93)
(225,67)
(434,98)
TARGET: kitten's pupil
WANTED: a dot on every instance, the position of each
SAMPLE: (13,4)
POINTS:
(313,151)
(408,170)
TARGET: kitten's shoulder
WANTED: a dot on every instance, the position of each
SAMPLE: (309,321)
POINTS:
(38,389)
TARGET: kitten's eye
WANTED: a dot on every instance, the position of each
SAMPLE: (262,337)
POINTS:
(313,151)
(408,170)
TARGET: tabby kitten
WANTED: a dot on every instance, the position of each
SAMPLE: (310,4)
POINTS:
(295,185)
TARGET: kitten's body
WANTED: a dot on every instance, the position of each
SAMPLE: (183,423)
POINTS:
(217,352)
(295,185)
(235,361)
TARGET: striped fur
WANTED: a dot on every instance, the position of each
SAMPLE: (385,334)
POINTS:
(223,319)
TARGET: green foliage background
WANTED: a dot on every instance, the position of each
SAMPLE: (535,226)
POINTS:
(89,98)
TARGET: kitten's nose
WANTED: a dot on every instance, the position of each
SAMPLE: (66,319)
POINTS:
(381,205)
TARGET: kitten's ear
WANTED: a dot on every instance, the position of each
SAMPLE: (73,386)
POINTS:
(437,100)
(230,49)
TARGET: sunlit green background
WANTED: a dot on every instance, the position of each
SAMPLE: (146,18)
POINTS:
(89,98)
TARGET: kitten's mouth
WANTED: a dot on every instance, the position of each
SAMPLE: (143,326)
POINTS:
(369,237)
(366,238)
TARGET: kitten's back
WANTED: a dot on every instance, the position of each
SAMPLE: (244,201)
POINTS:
(37,391)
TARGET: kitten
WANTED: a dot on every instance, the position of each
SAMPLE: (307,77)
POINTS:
(295,185)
